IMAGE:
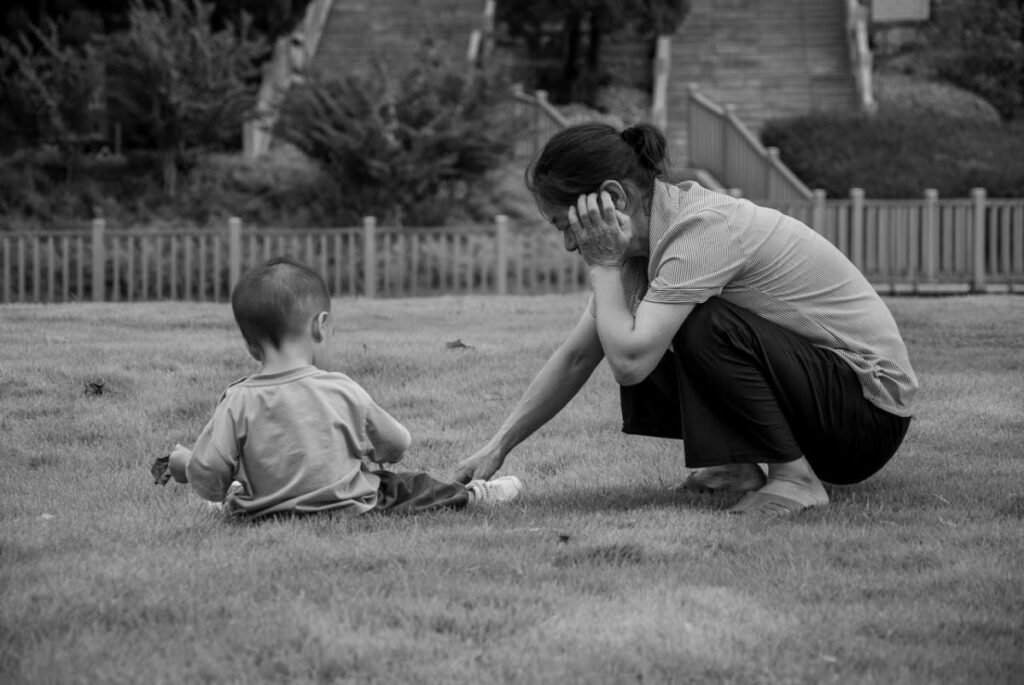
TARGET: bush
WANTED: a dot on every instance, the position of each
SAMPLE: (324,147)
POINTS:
(407,147)
(900,153)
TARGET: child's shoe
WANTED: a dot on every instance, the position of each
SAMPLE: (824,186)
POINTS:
(495,491)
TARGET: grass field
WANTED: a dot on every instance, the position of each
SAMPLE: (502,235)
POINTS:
(600,574)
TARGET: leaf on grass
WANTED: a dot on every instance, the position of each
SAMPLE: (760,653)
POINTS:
(456,344)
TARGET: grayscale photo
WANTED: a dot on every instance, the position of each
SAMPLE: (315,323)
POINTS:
(512,341)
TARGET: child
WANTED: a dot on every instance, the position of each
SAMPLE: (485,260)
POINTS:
(291,438)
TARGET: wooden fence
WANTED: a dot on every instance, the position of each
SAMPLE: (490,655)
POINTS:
(970,244)
(101,264)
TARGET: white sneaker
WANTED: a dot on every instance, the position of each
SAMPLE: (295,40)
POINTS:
(495,491)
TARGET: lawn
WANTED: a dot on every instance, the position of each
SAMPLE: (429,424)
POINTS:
(601,573)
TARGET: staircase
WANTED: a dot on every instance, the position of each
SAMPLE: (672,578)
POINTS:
(357,32)
(768,58)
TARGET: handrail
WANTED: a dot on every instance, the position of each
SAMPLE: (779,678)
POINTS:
(541,102)
(721,143)
(291,55)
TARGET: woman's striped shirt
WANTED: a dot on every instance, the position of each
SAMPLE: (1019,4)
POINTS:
(704,243)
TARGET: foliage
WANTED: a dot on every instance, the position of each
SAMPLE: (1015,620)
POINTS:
(178,84)
(81,20)
(975,44)
(49,92)
(983,48)
(128,191)
(572,33)
(406,145)
(901,153)
(896,91)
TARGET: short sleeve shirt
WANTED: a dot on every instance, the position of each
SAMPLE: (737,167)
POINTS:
(295,440)
(705,244)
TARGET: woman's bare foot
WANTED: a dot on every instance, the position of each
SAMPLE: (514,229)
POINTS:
(725,478)
(795,480)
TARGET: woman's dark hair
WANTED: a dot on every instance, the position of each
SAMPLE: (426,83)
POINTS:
(579,158)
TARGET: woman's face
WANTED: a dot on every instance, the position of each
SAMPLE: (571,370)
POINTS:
(559,218)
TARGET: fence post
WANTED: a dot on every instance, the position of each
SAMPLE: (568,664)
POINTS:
(234,252)
(930,238)
(370,256)
(662,66)
(725,170)
(857,227)
(978,195)
(99,259)
(769,173)
(501,251)
(818,211)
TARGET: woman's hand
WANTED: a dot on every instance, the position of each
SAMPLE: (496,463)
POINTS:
(598,228)
(482,465)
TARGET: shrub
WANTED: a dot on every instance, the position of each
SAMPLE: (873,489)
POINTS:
(406,146)
(180,85)
(900,153)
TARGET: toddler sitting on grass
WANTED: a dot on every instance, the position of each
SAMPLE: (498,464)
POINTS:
(292,438)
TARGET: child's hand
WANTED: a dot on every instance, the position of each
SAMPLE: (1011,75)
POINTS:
(598,228)
(179,458)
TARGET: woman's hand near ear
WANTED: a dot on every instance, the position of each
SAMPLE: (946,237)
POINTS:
(598,227)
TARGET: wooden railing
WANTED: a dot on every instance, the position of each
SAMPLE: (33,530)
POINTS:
(541,120)
(719,142)
(103,264)
(291,55)
(918,245)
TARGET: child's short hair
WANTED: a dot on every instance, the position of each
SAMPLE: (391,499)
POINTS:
(277,299)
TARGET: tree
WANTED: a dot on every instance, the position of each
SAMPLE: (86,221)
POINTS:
(50,92)
(574,31)
(179,84)
(406,143)
(980,46)
(79,20)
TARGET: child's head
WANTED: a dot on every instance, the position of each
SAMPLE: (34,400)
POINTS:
(581,158)
(280,300)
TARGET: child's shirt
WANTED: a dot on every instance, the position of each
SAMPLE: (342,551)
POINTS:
(293,439)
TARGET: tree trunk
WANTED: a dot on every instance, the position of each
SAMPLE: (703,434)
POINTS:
(571,69)
(170,169)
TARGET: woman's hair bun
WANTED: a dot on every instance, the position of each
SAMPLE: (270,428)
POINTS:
(649,143)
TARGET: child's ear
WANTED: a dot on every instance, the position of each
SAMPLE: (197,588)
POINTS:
(618,194)
(319,327)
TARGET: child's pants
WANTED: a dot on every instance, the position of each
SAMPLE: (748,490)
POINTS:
(410,492)
(742,389)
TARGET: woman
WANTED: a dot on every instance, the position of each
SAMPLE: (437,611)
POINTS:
(729,325)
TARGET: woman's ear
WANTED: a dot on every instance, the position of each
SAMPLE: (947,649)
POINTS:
(619,196)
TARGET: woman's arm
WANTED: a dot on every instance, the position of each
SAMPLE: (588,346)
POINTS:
(558,381)
(633,345)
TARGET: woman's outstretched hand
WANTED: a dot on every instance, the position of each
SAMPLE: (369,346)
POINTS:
(481,465)
(597,226)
